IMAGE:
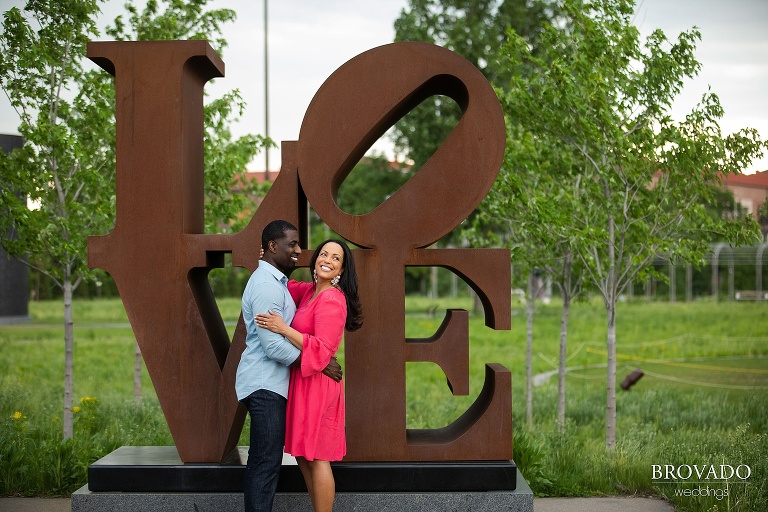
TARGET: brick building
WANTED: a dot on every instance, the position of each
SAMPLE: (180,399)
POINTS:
(749,190)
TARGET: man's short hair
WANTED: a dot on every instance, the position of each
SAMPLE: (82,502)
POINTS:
(275,230)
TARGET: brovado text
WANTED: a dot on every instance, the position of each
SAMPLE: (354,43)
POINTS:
(721,472)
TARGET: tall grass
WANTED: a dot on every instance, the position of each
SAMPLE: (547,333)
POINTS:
(703,399)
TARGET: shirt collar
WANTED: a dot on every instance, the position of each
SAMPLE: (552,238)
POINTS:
(273,270)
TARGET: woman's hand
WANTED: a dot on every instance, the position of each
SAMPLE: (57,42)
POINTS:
(271,321)
(276,324)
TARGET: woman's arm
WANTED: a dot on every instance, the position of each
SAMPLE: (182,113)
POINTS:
(276,324)
(319,348)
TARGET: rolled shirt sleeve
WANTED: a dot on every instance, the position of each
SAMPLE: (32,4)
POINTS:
(275,346)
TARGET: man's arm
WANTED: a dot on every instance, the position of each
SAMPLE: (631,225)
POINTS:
(273,322)
(276,347)
(333,370)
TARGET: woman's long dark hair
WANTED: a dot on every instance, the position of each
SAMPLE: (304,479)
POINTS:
(347,284)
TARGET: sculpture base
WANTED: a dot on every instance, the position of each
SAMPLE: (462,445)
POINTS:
(139,478)
(519,500)
(159,469)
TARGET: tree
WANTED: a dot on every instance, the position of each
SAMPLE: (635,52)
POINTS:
(373,179)
(370,183)
(527,206)
(475,30)
(66,166)
(762,213)
(638,180)
(225,158)
(724,204)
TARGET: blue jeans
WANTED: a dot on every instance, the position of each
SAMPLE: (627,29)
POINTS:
(265,454)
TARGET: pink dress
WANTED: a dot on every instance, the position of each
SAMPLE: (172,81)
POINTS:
(315,412)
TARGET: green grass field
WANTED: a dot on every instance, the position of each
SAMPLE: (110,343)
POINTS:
(703,399)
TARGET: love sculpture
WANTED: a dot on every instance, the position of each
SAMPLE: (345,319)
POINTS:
(160,257)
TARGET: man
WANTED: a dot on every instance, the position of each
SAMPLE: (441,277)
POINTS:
(262,374)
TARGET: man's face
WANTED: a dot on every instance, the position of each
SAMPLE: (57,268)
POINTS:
(286,251)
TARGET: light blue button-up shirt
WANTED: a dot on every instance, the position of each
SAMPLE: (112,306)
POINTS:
(265,360)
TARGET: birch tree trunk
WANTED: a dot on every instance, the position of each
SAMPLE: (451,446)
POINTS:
(568,290)
(562,365)
(610,409)
(69,342)
(529,311)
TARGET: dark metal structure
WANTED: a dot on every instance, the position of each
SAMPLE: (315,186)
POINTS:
(160,257)
(14,275)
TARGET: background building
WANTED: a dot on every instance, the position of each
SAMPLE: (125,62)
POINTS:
(14,276)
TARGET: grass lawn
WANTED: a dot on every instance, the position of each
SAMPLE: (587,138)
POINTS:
(702,401)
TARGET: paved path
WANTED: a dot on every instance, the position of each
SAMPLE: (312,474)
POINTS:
(35,505)
(609,504)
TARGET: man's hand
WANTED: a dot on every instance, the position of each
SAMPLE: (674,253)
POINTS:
(333,370)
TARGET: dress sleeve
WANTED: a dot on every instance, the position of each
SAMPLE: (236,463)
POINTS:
(298,289)
(329,318)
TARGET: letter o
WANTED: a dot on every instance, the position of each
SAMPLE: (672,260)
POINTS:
(749,471)
(351,110)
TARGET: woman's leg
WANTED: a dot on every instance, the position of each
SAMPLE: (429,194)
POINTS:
(304,467)
(323,485)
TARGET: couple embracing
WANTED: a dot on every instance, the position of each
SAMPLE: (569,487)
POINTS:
(288,377)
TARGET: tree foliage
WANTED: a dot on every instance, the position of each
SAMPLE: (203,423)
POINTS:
(225,157)
(762,214)
(66,165)
(630,182)
(474,29)
(66,168)
(369,184)
(527,211)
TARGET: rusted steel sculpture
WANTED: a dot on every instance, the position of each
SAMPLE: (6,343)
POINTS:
(160,258)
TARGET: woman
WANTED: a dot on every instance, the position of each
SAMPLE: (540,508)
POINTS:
(315,411)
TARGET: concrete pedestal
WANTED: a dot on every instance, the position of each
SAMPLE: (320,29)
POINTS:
(133,479)
(519,500)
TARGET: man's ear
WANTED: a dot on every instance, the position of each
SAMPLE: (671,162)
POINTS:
(272,246)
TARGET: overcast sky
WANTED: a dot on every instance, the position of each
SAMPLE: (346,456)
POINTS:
(308,40)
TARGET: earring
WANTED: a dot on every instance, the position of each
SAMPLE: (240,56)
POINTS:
(335,281)
(314,275)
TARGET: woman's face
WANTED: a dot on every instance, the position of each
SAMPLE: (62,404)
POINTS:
(330,262)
